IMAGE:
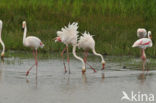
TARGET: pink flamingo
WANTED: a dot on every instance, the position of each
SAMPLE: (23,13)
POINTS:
(1,41)
(144,43)
(32,42)
(87,42)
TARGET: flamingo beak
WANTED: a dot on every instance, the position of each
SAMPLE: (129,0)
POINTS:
(2,56)
(151,36)
(103,66)
(23,27)
(57,39)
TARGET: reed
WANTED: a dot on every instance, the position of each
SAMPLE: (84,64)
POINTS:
(113,22)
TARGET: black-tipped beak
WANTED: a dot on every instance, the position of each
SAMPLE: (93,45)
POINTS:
(2,58)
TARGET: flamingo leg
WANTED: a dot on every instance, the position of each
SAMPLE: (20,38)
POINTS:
(65,70)
(27,73)
(68,59)
(144,59)
(85,60)
(36,62)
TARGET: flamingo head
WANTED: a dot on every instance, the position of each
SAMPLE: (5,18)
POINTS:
(83,70)
(58,39)
(149,34)
(24,24)
(103,65)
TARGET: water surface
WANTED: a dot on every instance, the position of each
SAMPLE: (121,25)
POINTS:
(53,86)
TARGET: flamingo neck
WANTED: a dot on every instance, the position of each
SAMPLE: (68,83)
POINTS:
(77,57)
(25,33)
(149,35)
(1,41)
(97,54)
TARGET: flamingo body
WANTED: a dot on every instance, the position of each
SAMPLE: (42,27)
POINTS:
(86,42)
(143,43)
(68,35)
(34,42)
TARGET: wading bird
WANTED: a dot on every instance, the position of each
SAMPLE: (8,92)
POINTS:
(141,33)
(144,43)
(32,42)
(87,42)
(68,35)
(1,41)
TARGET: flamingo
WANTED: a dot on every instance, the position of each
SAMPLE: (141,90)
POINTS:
(141,33)
(87,42)
(144,43)
(1,41)
(32,42)
(67,35)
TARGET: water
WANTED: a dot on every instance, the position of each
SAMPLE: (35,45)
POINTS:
(53,86)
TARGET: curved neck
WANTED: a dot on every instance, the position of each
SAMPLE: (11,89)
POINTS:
(77,57)
(149,35)
(1,41)
(25,33)
(97,54)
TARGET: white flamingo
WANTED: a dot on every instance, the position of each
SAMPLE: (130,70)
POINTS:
(87,42)
(32,42)
(141,33)
(144,43)
(67,35)
(1,41)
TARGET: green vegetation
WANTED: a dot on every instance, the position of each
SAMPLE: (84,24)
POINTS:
(113,22)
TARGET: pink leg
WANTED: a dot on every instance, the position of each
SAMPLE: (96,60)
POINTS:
(68,59)
(144,59)
(27,73)
(36,62)
(85,60)
(65,70)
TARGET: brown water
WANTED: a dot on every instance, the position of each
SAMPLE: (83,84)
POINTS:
(53,86)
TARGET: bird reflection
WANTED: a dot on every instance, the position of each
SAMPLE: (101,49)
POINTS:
(36,79)
(143,65)
(84,78)
(102,76)
(1,70)
(142,77)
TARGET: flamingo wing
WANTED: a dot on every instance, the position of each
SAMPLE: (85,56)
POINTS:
(34,42)
(143,43)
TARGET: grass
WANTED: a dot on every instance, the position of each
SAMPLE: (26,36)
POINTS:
(113,22)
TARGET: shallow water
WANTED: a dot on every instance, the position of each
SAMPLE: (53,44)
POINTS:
(53,86)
